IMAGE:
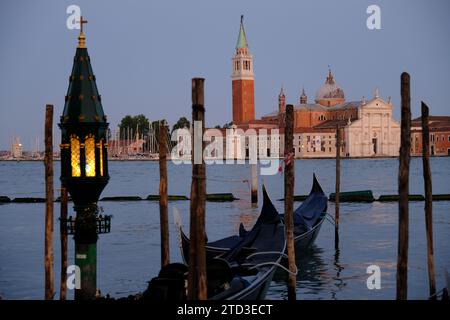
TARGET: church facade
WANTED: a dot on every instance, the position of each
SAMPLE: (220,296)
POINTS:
(367,127)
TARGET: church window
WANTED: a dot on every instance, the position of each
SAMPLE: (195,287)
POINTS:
(448,138)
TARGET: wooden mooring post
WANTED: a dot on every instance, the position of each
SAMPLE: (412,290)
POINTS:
(289,180)
(428,198)
(254,184)
(197,289)
(337,189)
(48,160)
(163,210)
(403,189)
(63,239)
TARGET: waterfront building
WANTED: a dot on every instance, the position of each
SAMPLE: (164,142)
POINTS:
(439,136)
(16,148)
(367,126)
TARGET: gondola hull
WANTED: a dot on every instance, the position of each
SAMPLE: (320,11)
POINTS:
(308,219)
(302,242)
(247,275)
(257,291)
(307,239)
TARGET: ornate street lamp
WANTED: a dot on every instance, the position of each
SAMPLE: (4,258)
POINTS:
(84,165)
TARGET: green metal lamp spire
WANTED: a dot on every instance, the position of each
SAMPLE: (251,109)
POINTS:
(242,39)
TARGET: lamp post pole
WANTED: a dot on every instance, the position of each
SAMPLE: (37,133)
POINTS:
(84,167)
(86,250)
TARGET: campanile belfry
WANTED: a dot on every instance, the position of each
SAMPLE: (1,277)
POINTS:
(243,81)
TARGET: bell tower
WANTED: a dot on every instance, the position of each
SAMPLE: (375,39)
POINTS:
(242,78)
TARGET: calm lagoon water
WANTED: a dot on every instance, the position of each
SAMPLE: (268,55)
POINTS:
(129,255)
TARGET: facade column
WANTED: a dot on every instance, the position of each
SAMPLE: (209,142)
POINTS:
(389,134)
(363,137)
(369,143)
(382,133)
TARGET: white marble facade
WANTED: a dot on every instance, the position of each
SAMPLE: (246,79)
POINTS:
(374,133)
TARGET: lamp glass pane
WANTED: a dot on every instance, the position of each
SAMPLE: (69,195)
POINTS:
(90,156)
(101,158)
(75,155)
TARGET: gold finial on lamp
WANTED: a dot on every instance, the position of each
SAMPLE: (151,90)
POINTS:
(81,37)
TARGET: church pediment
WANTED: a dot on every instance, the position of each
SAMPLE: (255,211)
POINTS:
(376,104)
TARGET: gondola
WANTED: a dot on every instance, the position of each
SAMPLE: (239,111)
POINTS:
(243,272)
(309,216)
(308,219)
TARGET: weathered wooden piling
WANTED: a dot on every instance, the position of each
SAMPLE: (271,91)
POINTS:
(338,184)
(63,239)
(197,257)
(163,200)
(48,160)
(403,189)
(428,198)
(289,180)
(254,188)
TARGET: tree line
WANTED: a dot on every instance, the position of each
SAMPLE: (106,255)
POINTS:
(139,126)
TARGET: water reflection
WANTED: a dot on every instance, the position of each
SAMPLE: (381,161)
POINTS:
(316,279)
(338,281)
(130,252)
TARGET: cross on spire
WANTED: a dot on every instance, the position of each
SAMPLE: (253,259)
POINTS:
(81,23)
(81,37)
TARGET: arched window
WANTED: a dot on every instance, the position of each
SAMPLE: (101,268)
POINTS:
(75,155)
(89,150)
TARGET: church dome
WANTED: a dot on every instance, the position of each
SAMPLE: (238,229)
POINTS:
(330,93)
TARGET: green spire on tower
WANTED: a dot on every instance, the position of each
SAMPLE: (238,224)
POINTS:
(242,39)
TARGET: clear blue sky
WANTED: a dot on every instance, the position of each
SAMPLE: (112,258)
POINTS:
(144,54)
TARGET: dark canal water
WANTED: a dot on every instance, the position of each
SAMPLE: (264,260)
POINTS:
(129,255)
